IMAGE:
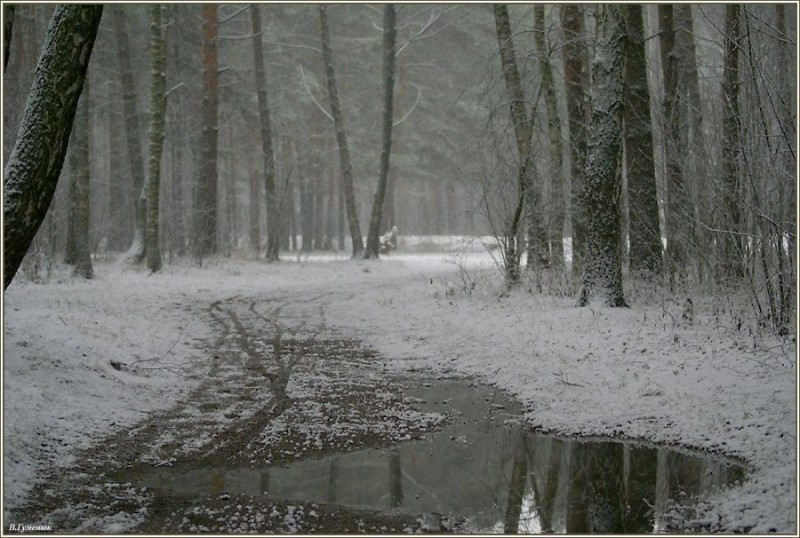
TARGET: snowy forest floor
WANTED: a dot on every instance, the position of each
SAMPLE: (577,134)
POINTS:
(130,371)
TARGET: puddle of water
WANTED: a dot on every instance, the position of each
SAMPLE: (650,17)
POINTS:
(487,468)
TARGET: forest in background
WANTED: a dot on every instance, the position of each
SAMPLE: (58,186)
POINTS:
(495,118)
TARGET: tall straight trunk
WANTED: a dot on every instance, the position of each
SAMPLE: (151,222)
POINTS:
(577,83)
(205,211)
(132,132)
(733,248)
(556,181)
(341,134)
(30,181)
(522,132)
(645,235)
(78,254)
(156,144)
(255,211)
(273,217)
(330,210)
(696,177)
(602,278)
(118,206)
(389,38)
(677,198)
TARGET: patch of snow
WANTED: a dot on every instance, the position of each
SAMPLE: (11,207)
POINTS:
(640,372)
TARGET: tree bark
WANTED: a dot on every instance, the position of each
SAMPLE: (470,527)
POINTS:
(733,247)
(576,81)
(556,183)
(273,217)
(677,198)
(389,38)
(156,144)
(32,171)
(205,212)
(522,132)
(78,252)
(132,133)
(8,27)
(696,177)
(645,235)
(602,279)
(341,134)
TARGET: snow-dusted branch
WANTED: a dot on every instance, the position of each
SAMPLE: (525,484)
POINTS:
(311,94)
(410,110)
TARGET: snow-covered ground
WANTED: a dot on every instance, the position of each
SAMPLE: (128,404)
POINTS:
(84,358)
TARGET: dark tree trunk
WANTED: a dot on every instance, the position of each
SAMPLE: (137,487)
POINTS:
(255,211)
(576,81)
(78,252)
(205,211)
(29,179)
(645,235)
(602,278)
(389,38)
(341,134)
(733,247)
(8,27)
(677,199)
(132,132)
(156,145)
(273,217)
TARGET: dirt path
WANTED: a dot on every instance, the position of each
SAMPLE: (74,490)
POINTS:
(278,387)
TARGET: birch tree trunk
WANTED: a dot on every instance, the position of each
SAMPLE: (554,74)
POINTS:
(602,278)
(156,144)
(645,235)
(341,134)
(32,171)
(556,183)
(389,38)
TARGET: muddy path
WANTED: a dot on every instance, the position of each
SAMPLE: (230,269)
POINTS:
(277,387)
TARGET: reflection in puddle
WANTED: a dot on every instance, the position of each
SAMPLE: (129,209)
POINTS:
(485,467)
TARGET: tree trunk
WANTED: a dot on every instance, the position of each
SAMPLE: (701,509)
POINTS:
(696,175)
(389,38)
(576,81)
(341,134)
(555,185)
(677,199)
(645,235)
(132,132)
(78,252)
(157,111)
(29,179)
(255,211)
(205,212)
(522,131)
(602,279)
(8,27)
(273,217)
(732,246)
